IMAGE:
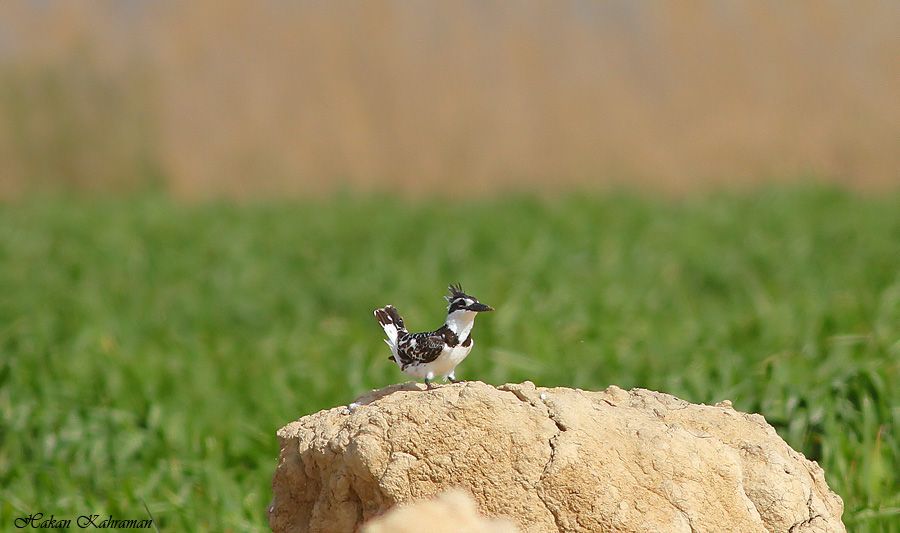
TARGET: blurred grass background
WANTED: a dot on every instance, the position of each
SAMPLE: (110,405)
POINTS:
(152,348)
(201,203)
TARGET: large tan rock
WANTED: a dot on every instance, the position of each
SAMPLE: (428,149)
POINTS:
(452,511)
(553,459)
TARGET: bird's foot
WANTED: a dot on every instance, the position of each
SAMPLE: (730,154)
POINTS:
(451,377)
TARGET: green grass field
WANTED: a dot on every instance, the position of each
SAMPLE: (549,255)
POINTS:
(149,350)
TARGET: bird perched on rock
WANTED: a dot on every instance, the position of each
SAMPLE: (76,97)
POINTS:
(435,353)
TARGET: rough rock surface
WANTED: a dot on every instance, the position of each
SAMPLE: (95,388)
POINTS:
(550,459)
(452,511)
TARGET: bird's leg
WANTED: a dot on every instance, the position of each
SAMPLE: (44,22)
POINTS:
(451,377)
(428,379)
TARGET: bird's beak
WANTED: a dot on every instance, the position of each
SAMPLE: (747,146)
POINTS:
(479,307)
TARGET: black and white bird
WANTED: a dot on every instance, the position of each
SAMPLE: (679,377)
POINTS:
(433,354)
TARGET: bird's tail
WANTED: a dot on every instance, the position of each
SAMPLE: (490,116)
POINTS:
(392,323)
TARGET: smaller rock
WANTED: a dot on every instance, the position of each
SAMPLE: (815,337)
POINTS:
(452,511)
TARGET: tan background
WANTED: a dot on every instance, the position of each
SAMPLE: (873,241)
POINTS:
(235,97)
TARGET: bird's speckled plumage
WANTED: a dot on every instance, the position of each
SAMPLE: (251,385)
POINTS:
(433,353)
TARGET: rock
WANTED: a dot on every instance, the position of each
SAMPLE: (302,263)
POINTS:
(453,511)
(550,459)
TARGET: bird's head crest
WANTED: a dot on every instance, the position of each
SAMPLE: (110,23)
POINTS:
(459,300)
(456,291)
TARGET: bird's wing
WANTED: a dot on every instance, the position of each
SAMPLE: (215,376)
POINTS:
(420,348)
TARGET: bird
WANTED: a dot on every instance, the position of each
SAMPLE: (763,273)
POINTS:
(432,354)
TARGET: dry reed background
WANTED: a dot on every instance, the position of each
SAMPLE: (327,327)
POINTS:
(257,98)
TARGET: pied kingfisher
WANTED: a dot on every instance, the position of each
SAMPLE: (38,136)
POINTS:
(435,353)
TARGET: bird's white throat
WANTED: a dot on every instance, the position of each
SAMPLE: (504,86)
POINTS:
(461,322)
